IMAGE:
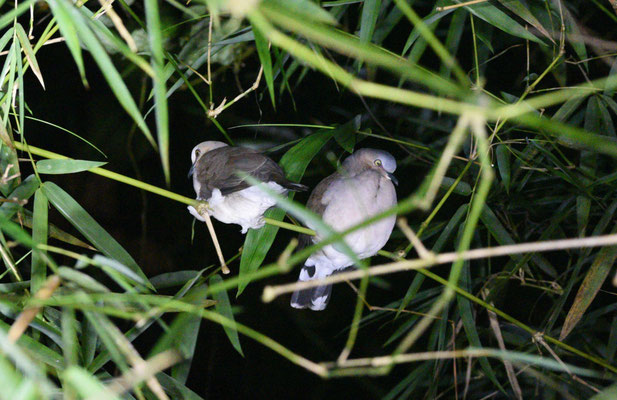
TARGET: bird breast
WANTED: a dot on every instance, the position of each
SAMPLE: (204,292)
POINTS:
(351,201)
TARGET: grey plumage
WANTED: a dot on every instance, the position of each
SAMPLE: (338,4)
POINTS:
(231,199)
(361,189)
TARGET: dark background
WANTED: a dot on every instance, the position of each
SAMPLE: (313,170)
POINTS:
(157,231)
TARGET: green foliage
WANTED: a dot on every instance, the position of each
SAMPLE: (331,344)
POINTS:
(501,114)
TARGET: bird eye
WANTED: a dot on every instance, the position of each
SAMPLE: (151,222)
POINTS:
(197,152)
(377,162)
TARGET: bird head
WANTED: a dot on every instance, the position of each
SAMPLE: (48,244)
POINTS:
(378,160)
(201,149)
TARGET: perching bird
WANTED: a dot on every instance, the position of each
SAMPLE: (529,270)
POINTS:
(360,190)
(230,198)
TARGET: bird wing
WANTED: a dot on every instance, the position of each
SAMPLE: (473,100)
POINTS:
(316,202)
(218,169)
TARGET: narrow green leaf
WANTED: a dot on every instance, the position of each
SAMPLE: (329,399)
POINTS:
(87,385)
(88,341)
(182,335)
(462,188)
(609,393)
(583,207)
(567,109)
(34,350)
(21,193)
(223,307)
(470,326)
(595,277)
(15,12)
(175,389)
(263,52)
(345,135)
(494,16)
(85,281)
(155,38)
(69,33)
(66,166)
(503,164)
(27,47)
(453,40)
(523,12)
(109,336)
(606,122)
(39,236)
(111,74)
(368,19)
(25,219)
(88,227)
(8,35)
(9,165)
(119,272)
(305,9)
(21,97)
(575,36)
(259,241)
(69,337)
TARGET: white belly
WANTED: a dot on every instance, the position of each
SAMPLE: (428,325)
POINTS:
(245,207)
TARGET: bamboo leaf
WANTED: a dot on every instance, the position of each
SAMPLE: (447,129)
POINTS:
(8,17)
(20,195)
(69,33)
(87,385)
(66,166)
(304,9)
(470,326)
(609,393)
(182,335)
(263,52)
(345,135)
(108,69)
(88,227)
(368,19)
(500,20)
(27,48)
(503,163)
(9,165)
(223,307)
(595,277)
(39,236)
(523,12)
(155,38)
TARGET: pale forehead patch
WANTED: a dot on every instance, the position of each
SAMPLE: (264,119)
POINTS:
(205,147)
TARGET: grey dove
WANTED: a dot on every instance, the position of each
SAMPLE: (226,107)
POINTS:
(230,198)
(361,189)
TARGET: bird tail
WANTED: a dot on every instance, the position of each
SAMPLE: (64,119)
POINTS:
(315,298)
(296,187)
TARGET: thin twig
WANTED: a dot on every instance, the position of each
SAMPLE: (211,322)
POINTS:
(117,21)
(271,292)
(539,338)
(27,315)
(468,3)
(506,363)
(144,371)
(202,209)
(414,239)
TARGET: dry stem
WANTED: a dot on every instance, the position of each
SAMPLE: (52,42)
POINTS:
(271,292)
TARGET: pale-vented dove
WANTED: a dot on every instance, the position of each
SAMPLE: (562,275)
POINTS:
(361,189)
(230,198)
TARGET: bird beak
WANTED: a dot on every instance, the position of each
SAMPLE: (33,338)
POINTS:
(392,178)
(191,171)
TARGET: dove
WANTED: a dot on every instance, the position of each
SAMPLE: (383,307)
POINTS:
(361,189)
(231,199)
